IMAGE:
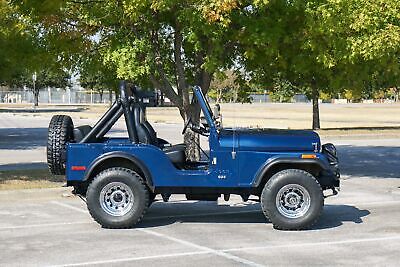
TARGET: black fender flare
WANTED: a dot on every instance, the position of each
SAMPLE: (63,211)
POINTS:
(274,161)
(120,154)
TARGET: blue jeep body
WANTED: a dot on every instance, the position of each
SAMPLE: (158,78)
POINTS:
(287,170)
(240,160)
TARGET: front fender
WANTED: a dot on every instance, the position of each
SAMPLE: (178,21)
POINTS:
(270,163)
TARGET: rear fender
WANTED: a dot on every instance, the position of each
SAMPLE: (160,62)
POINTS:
(115,155)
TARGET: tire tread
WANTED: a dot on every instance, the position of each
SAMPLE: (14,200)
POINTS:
(132,173)
(267,190)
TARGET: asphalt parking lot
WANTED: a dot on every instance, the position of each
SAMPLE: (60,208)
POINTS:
(50,227)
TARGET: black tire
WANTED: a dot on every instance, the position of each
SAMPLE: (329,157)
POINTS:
(99,206)
(59,134)
(292,185)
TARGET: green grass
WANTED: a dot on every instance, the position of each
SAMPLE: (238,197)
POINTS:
(28,179)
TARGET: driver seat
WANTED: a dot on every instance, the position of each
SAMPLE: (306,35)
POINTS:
(147,135)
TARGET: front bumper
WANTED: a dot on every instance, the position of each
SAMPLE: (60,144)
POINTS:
(330,177)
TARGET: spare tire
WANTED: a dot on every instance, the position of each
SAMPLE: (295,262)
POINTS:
(59,134)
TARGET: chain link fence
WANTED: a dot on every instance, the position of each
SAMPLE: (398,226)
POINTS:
(56,96)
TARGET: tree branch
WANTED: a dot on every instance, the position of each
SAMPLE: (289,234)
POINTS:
(181,81)
(164,85)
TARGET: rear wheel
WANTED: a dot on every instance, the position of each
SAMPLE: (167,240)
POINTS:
(292,199)
(117,198)
(59,134)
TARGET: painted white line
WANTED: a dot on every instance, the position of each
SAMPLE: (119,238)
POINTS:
(323,243)
(121,260)
(203,248)
(70,207)
(372,203)
(206,250)
(42,225)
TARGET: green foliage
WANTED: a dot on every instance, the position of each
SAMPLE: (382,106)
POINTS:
(318,47)
(16,42)
(47,77)
(283,90)
(168,43)
(24,52)
(225,87)
(94,75)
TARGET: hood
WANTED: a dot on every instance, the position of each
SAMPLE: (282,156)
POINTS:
(270,140)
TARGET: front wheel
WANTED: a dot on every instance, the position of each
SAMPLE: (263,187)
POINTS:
(292,199)
(117,198)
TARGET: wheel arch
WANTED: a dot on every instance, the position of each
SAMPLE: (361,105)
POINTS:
(119,159)
(271,167)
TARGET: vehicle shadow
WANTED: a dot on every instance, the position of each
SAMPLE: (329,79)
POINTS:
(335,215)
(162,214)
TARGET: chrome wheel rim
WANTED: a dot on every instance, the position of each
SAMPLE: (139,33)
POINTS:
(116,199)
(293,201)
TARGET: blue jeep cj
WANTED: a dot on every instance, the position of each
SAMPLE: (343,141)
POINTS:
(287,170)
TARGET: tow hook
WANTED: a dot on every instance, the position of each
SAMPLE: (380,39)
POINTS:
(334,193)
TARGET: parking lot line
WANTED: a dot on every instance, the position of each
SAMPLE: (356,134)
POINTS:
(70,207)
(372,203)
(203,248)
(224,253)
(177,240)
(322,243)
(42,225)
(121,260)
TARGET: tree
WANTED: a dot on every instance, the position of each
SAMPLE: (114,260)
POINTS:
(24,53)
(94,75)
(228,86)
(46,76)
(284,52)
(172,44)
(366,35)
(17,43)
(324,45)
(283,90)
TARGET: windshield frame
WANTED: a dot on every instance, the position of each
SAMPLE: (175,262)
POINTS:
(205,106)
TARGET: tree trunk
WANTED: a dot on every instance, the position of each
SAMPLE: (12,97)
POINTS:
(36,97)
(315,97)
(101,95)
(192,151)
(190,138)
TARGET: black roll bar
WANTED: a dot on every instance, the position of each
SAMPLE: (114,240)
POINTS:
(119,107)
(110,123)
(100,124)
(126,104)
